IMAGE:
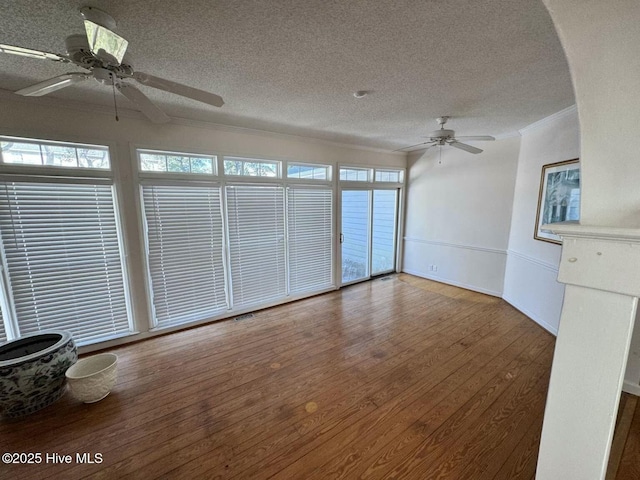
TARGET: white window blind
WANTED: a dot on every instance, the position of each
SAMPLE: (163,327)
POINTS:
(310,238)
(3,333)
(185,252)
(256,244)
(63,258)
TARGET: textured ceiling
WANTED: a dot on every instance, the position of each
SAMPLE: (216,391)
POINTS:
(292,66)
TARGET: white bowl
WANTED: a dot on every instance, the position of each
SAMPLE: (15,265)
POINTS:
(91,379)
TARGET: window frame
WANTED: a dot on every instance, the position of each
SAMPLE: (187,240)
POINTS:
(367,168)
(69,175)
(400,171)
(57,170)
(178,176)
(251,178)
(148,284)
(314,181)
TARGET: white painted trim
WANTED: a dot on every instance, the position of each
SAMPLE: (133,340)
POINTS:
(632,388)
(128,113)
(466,286)
(577,230)
(547,120)
(455,245)
(540,263)
(549,328)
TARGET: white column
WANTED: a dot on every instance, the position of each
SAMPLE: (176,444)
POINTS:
(601,267)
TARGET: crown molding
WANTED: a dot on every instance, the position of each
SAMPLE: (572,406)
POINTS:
(6,95)
(572,110)
(504,136)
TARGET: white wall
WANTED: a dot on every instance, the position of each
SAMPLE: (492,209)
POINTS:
(50,119)
(532,265)
(458,214)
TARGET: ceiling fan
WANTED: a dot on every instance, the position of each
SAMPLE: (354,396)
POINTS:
(102,53)
(448,137)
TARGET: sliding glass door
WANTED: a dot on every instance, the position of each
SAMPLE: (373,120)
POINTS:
(355,237)
(368,233)
(383,235)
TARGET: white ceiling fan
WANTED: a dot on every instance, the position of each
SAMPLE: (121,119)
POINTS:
(448,137)
(102,53)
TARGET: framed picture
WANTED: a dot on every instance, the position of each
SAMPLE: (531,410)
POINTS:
(559,197)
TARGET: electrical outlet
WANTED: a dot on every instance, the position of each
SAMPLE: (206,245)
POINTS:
(435,268)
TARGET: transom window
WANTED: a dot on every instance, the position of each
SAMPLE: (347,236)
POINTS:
(173,162)
(20,151)
(308,172)
(354,174)
(251,167)
(389,175)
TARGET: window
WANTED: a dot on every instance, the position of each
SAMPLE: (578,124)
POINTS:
(21,151)
(256,244)
(393,176)
(310,238)
(251,167)
(3,334)
(154,161)
(353,174)
(63,258)
(185,252)
(308,172)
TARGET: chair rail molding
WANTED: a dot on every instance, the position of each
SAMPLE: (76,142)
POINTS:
(599,266)
(455,245)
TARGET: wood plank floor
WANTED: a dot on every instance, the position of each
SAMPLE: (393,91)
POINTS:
(624,463)
(403,378)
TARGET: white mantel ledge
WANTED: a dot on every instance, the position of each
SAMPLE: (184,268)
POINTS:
(604,258)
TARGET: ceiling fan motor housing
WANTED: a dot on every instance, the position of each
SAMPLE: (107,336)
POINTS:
(78,50)
(442,133)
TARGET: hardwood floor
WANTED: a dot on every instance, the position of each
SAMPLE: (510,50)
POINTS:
(403,378)
(624,463)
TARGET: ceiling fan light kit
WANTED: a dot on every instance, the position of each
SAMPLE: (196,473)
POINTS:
(443,136)
(102,52)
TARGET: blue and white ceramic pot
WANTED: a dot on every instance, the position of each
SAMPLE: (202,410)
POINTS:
(32,371)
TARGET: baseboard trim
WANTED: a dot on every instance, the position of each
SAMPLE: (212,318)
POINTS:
(632,388)
(549,328)
(453,282)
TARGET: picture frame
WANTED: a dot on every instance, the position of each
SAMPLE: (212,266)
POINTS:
(558,197)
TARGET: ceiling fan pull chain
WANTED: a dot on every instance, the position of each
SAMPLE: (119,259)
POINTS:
(115,103)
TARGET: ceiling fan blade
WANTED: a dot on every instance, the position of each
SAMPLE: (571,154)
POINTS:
(406,149)
(179,89)
(140,100)
(477,138)
(53,84)
(104,44)
(28,52)
(465,147)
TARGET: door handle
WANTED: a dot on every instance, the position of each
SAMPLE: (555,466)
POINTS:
(341,238)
